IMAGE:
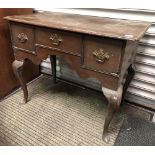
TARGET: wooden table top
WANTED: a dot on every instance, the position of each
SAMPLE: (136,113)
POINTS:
(100,26)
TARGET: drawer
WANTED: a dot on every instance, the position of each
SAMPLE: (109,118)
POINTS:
(22,36)
(60,40)
(102,54)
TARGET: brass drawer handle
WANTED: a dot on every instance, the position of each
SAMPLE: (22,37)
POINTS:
(100,55)
(22,38)
(56,39)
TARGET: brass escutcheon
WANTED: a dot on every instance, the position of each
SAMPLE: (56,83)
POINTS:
(22,37)
(56,39)
(100,55)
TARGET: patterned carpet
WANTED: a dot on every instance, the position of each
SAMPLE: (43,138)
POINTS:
(59,114)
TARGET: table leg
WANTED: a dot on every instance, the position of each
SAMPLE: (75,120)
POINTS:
(17,69)
(53,66)
(131,73)
(114,100)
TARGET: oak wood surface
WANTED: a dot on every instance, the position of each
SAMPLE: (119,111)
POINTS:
(113,47)
(115,28)
(71,42)
(17,29)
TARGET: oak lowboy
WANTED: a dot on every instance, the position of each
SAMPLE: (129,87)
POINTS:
(96,47)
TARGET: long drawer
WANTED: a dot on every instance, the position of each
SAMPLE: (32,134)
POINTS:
(60,40)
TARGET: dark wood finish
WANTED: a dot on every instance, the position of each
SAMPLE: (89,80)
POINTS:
(71,42)
(131,73)
(74,62)
(53,66)
(114,99)
(100,26)
(27,31)
(105,55)
(113,47)
(18,69)
(8,81)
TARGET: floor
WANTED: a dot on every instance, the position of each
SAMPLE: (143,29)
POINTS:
(58,114)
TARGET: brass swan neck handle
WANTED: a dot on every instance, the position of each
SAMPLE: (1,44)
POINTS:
(101,55)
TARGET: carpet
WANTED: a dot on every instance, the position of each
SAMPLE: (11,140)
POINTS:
(56,115)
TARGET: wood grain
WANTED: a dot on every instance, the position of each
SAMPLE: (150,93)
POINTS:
(100,26)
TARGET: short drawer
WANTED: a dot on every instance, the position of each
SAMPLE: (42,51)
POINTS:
(102,54)
(22,36)
(61,40)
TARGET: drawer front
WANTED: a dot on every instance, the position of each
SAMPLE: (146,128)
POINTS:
(102,54)
(22,36)
(61,40)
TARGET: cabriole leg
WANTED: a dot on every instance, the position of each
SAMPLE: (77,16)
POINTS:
(114,100)
(17,69)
